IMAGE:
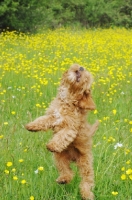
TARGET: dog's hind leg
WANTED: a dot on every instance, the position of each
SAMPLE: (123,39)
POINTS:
(86,171)
(40,124)
(62,161)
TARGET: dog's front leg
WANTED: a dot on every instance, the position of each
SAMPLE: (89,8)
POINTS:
(61,140)
(42,123)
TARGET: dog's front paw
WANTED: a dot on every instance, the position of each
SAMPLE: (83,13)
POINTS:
(30,127)
(33,127)
(51,146)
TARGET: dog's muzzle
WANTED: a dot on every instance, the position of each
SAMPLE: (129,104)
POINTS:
(78,74)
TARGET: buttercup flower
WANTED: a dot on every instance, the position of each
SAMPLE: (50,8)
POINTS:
(128,162)
(123,169)
(95,111)
(5,123)
(130,176)
(13,112)
(13,170)
(6,171)
(114,112)
(129,171)
(15,178)
(1,136)
(127,151)
(123,176)
(114,193)
(40,168)
(21,160)
(9,164)
(23,181)
(32,198)
(111,139)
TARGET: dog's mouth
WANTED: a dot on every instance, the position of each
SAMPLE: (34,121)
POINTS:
(78,74)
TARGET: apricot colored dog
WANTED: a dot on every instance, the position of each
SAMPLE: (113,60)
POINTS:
(72,135)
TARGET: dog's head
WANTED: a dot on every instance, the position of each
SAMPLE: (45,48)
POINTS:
(78,77)
(79,81)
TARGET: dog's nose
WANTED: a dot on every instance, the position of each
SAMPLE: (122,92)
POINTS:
(81,69)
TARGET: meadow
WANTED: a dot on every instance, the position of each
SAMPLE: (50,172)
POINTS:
(31,67)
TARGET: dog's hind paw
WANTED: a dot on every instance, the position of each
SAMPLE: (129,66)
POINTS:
(64,179)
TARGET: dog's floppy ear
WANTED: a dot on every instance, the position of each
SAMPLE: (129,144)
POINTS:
(86,102)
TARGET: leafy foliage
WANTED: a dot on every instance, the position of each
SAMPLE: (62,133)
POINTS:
(30,15)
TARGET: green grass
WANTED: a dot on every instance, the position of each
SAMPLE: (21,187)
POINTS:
(31,68)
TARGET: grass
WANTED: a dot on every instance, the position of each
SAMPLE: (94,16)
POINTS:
(31,67)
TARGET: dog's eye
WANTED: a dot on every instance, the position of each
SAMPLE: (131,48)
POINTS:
(77,73)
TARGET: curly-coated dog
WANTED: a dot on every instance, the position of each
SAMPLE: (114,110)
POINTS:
(72,135)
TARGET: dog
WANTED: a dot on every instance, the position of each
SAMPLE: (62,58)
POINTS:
(72,134)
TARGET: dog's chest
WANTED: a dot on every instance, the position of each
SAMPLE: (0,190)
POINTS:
(66,115)
(58,117)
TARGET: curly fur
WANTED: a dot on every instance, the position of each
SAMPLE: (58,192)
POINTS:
(72,135)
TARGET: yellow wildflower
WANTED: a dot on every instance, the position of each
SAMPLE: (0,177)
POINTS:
(1,136)
(123,177)
(114,193)
(15,178)
(128,162)
(9,164)
(123,169)
(21,160)
(31,198)
(23,181)
(13,170)
(114,112)
(95,111)
(6,171)
(40,168)
(13,112)
(129,171)
(5,123)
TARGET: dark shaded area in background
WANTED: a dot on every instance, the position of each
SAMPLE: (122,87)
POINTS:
(29,16)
